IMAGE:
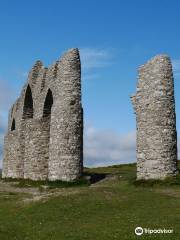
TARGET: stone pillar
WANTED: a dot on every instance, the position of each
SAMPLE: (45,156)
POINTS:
(154,106)
(66,131)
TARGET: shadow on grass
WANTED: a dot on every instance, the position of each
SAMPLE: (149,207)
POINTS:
(85,180)
(95,177)
(27,183)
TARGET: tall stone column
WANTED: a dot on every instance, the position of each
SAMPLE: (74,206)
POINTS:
(66,131)
(154,106)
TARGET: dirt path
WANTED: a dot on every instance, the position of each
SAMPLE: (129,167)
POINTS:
(33,194)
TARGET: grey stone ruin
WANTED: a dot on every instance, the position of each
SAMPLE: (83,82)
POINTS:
(45,130)
(154,105)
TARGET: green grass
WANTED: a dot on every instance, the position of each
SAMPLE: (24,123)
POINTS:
(107,210)
(171,181)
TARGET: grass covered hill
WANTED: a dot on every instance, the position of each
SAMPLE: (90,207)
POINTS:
(109,206)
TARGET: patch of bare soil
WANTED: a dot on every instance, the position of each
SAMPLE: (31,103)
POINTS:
(10,187)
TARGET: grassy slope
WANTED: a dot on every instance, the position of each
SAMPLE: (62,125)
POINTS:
(106,210)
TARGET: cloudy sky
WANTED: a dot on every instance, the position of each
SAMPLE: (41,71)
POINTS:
(114,38)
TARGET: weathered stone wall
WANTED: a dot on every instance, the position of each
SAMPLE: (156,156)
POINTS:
(66,145)
(36,149)
(13,166)
(154,105)
(47,117)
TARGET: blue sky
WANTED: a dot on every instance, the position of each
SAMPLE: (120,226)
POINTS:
(114,38)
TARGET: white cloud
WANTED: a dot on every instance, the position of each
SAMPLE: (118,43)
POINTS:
(178,146)
(176,67)
(92,59)
(7,95)
(106,147)
(91,76)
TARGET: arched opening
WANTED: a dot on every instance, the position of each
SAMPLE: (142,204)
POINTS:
(13,125)
(28,104)
(48,104)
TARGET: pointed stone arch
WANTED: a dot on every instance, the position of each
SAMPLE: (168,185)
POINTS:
(13,125)
(28,104)
(48,104)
